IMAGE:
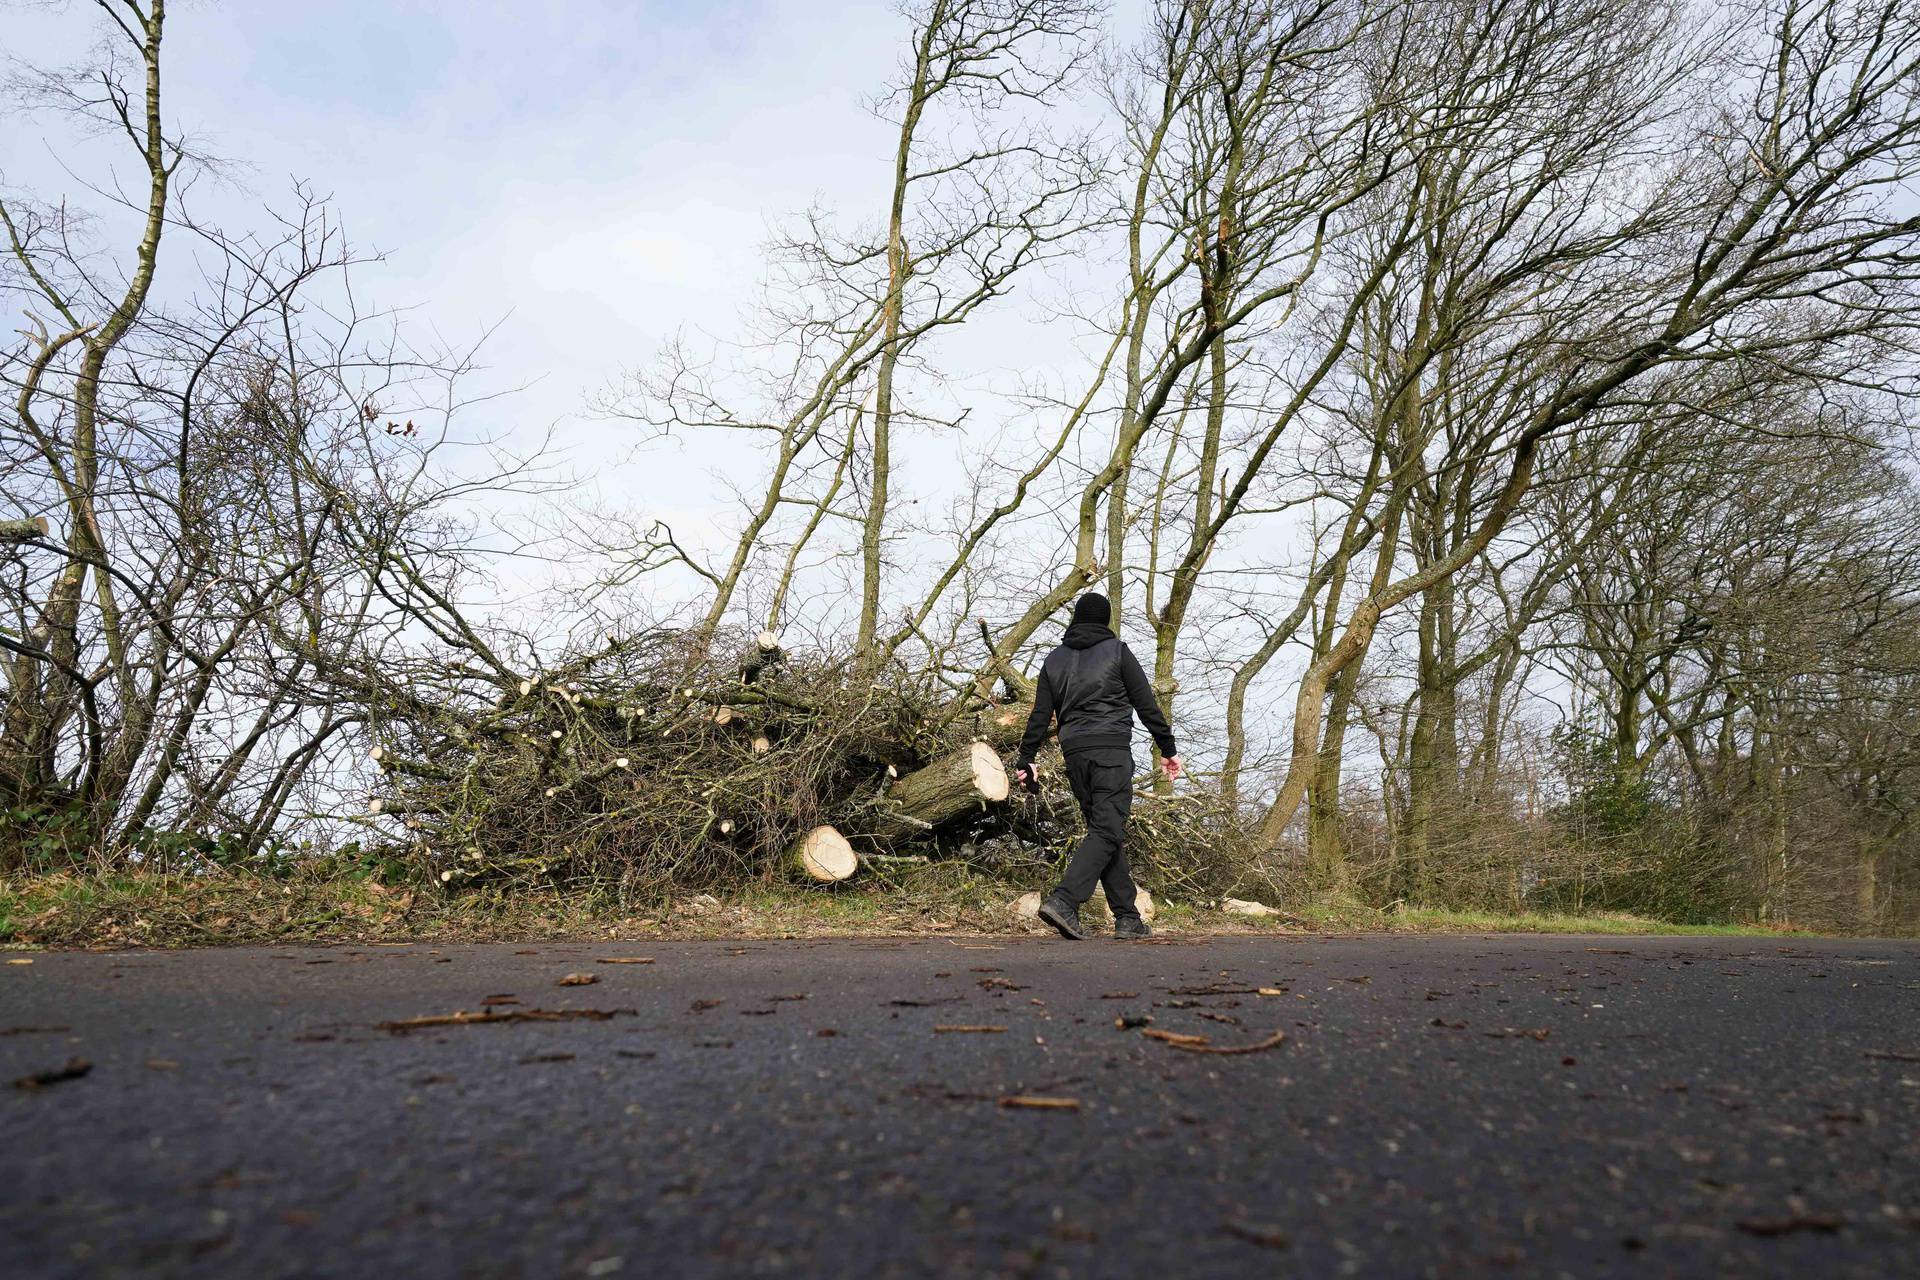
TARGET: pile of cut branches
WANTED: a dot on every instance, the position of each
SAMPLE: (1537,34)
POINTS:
(655,764)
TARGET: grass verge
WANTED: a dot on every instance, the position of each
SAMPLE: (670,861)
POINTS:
(236,907)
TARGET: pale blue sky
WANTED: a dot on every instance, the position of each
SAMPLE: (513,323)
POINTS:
(604,171)
(598,174)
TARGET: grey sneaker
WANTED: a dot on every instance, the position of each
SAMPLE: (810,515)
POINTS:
(1131,927)
(1064,917)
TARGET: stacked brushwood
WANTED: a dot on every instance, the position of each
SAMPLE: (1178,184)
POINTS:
(659,763)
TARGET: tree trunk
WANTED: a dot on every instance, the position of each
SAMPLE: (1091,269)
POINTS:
(1326,845)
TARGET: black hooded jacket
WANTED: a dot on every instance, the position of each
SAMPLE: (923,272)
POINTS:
(1095,685)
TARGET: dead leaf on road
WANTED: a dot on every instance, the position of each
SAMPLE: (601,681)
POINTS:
(1253,1233)
(578,980)
(1824,1223)
(1128,1021)
(75,1068)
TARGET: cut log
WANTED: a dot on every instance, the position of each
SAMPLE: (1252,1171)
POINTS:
(764,652)
(1027,905)
(1003,725)
(1142,901)
(950,787)
(23,530)
(823,854)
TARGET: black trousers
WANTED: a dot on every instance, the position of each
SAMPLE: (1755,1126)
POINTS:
(1102,781)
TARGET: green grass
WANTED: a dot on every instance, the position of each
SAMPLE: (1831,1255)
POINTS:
(1444,920)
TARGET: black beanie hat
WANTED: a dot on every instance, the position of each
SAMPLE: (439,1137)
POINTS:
(1093,607)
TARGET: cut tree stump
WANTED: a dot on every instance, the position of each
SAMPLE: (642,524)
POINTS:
(951,786)
(823,854)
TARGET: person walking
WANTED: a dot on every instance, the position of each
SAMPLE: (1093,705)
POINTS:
(1094,685)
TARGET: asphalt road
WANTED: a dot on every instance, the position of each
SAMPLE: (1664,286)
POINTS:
(1439,1106)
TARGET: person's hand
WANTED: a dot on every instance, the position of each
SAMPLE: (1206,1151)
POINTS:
(1172,765)
(1028,777)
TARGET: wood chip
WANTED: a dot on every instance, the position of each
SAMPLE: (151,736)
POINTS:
(968,1029)
(20,960)
(625,960)
(578,980)
(1272,991)
(1034,1102)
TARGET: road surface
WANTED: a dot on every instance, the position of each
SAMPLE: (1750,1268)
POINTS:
(1439,1106)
